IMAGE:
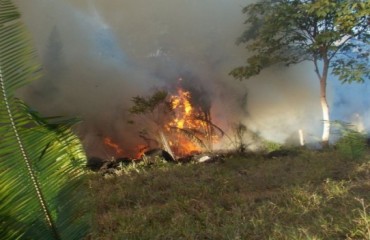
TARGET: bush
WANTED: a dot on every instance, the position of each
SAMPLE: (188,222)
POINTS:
(352,144)
(270,146)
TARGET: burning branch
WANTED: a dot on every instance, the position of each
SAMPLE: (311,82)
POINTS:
(195,123)
(117,150)
(176,123)
(191,134)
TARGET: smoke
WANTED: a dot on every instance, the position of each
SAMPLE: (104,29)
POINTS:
(98,54)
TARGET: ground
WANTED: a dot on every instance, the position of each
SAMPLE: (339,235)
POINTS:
(305,195)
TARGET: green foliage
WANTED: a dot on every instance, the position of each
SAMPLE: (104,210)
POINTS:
(350,70)
(270,146)
(363,221)
(154,111)
(142,105)
(352,144)
(41,160)
(244,139)
(285,31)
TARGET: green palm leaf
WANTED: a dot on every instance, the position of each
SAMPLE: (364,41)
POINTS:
(41,163)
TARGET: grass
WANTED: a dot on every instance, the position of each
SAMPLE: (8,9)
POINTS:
(311,195)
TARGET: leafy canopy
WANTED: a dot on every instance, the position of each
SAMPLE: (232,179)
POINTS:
(335,32)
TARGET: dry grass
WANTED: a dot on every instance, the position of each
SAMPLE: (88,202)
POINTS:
(311,195)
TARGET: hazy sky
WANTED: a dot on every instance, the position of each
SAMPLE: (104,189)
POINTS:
(98,54)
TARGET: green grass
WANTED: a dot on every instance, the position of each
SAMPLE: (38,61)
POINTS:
(311,195)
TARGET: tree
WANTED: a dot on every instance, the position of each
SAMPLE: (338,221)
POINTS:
(332,34)
(155,112)
(53,59)
(41,160)
(54,68)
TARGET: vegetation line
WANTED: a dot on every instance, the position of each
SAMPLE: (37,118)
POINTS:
(27,161)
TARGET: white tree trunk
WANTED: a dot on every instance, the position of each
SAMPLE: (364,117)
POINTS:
(324,103)
(301,138)
(326,121)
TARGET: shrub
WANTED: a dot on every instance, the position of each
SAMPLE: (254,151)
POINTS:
(352,144)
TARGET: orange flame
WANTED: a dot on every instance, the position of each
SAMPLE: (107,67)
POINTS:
(183,120)
(141,149)
(109,142)
(188,132)
(183,109)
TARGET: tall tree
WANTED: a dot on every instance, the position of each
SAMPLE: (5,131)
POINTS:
(53,59)
(332,34)
(46,88)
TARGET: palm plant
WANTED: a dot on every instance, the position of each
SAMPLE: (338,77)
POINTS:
(41,160)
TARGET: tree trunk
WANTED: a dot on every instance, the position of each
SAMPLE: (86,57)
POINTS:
(325,106)
(301,138)
(326,121)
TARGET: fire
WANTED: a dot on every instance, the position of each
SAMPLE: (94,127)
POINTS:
(187,130)
(109,142)
(185,124)
(141,149)
(183,109)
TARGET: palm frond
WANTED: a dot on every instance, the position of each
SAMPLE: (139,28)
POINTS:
(41,165)
(216,129)
(191,134)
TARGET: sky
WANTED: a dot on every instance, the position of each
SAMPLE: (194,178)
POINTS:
(98,54)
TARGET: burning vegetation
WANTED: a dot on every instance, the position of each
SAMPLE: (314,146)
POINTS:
(191,128)
(172,122)
(113,146)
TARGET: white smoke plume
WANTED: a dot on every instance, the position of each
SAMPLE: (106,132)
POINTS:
(98,54)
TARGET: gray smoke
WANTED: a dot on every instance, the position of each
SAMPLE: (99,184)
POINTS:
(98,54)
